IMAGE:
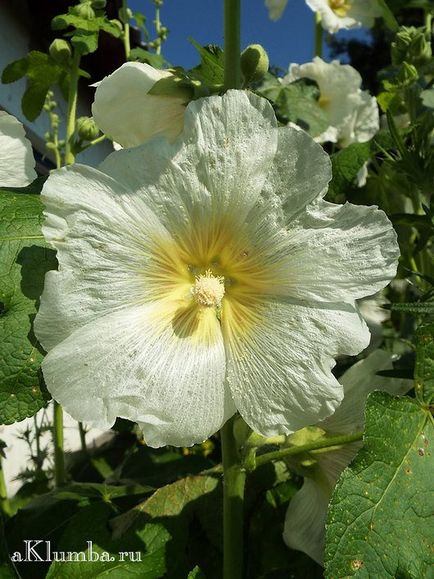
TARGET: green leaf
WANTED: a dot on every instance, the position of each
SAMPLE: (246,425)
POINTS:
(196,573)
(345,166)
(43,72)
(388,16)
(296,102)
(24,260)
(86,24)
(142,55)
(211,70)
(380,515)
(424,370)
(428,98)
(85,41)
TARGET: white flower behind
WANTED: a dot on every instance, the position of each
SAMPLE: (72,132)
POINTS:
(344,14)
(17,165)
(352,112)
(275,8)
(207,276)
(307,512)
(124,109)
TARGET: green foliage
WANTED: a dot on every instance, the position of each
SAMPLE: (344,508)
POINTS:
(424,370)
(211,68)
(296,102)
(42,72)
(379,522)
(24,260)
(142,55)
(346,164)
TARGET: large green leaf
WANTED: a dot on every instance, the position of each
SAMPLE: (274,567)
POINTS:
(380,517)
(424,370)
(345,165)
(24,260)
(211,68)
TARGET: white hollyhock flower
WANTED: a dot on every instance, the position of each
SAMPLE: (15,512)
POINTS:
(307,512)
(339,14)
(352,112)
(275,8)
(17,165)
(207,276)
(124,109)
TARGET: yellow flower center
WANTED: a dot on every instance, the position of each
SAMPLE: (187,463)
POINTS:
(340,7)
(323,101)
(208,289)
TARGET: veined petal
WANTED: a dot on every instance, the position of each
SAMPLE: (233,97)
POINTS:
(219,168)
(358,382)
(365,121)
(141,365)
(340,252)
(104,240)
(279,360)
(125,111)
(16,155)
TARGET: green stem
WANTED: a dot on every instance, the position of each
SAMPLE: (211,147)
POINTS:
(317,445)
(126,34)
(232,44)
(4,501)
(72,108)
(318,35)
(59,457)
(157,24)
(234,479)
(428,22)
(82,432)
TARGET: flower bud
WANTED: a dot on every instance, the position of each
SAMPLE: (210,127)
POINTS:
(408,74)
(86,129)
(99,4)
(254,63)
(60,51)
(411,45)
(84,10)
(125,15)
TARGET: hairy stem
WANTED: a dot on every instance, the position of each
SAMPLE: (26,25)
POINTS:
(59,457)
(232,19)
(318,35)
(316,446)
(234,479)
(72,108)
(126,34)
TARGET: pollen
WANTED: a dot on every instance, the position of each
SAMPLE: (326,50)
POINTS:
(208,289)
(340,7)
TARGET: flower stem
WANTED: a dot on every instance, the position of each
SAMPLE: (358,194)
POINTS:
(72,108)
(126,34)
(157,24)
(232,44)
(4,501)
(82,431)
(317,445)
(234,479)
(59,458)
(318,35)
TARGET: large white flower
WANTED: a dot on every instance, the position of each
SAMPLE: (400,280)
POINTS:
(207,276)
(352,112)
(339,14)
(307,512)
(124,109)
(275,8)
(17,165)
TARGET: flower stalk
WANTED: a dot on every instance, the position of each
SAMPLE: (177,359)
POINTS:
(126,32)
(72,108)
(318,35)
(232,23)
(234,479)
(59,457)
(4,501)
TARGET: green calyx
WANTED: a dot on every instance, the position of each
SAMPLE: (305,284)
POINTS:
(60,51)
(86,129)
(412,46)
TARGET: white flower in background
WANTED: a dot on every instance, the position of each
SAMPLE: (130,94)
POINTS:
(372,310)
(307,512)
(275,8)
(207,276)
(124,109)
(352,112)
(17,165)
(339,14)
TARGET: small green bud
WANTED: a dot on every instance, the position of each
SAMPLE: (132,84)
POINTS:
(254,63)
(99,4)
(86,128)
(116,22)
(60,51)
(84,10)
(125,15)
(407,75)
(411,45)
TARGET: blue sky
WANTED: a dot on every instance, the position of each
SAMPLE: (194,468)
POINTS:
(290,39)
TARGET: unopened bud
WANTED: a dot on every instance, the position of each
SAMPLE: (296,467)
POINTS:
(99,4)
(84,10)
(408,74)
(254,63)
(60,51)
(125,15)
(411,45)
(86,128)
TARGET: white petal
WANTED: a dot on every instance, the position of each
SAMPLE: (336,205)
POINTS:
(340,252)
(275,8)
(228,145)
(280,372)
(16,155)
(305,520)
(360,13)
(132,364)
(102,236)
(300,173)
(358,382)
(365,122)
(125,111)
